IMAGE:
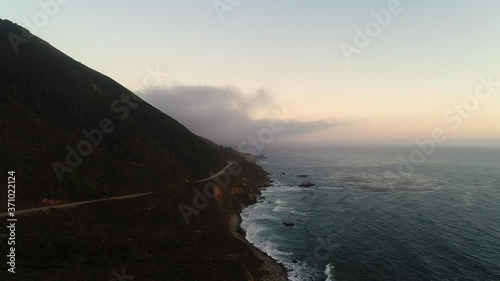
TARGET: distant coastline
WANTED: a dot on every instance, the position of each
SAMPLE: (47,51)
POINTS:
(276,270)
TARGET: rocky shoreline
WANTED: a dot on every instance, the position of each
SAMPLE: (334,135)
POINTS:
(148,238)
(249,186)
(272,270)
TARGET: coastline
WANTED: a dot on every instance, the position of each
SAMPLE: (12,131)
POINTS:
(157,244)
(272,270)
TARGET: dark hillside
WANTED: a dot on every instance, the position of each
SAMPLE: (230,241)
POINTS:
(106,142)
(48,100)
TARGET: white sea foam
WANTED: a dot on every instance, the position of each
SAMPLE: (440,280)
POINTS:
(280,202)
(330,187)
(270,249)
(281,209)
(259,220)
(329,272)
(301,213)
(253,231)
(282,188)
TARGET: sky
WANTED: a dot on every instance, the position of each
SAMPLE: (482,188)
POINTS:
(335,71)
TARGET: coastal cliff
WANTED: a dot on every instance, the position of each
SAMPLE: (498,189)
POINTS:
(72,134)
(148,238)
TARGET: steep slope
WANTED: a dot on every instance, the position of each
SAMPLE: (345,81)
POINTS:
(50,103)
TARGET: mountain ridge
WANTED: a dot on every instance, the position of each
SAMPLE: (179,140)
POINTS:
(54,100)
(72,135)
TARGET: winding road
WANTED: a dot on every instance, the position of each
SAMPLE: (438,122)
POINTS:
(76,204)
(218,174)
(71,205)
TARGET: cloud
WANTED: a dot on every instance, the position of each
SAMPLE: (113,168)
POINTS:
(225,114)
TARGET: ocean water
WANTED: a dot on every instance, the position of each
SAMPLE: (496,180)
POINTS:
(369,220)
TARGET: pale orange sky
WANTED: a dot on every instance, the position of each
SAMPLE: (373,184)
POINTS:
(427,58)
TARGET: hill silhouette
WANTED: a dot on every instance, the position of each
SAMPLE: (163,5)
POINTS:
(73,134)
(49,103)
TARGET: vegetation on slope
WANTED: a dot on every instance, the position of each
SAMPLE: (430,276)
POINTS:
(48,101)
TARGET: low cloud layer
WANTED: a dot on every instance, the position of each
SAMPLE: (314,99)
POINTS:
(224,114)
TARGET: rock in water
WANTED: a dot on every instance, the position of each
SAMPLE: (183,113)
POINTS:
(261,157)
(307,184)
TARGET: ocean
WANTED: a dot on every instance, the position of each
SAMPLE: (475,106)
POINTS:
(369,217)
